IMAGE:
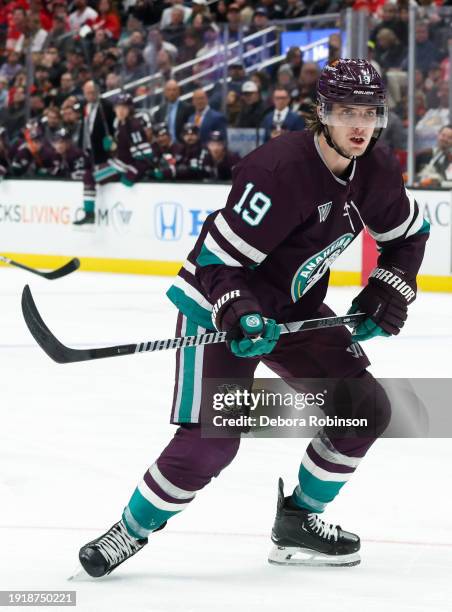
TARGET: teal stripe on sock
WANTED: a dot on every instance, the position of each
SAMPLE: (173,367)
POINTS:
(88,205)
(186,404)
(322,490)
(148,516)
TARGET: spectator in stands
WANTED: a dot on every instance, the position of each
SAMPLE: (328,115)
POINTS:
(253,108)
(16,29)
(134,67)
(81,15)
(275,9)
(295,9)
(174,31)
(166,15)
(322,7)
(107,20)
(67,88)
(262,44)
(233,108)
(52,61)
(174,112)
(281,116)
(3,91)
(112,81)
(285,77)
(204,117)
(164,64)
(434,119)
(58,34)
(154,45)
(234,21)
(51,123)
(195,163)
(189,48)
(294,59)
(13,116)
(72,119)
(434,166)
(223,160)
(307,83)
(431,86)
(426,52)
(389,52)
(395,134)
(390,19)
(43,85)
(35,34)
(263,82)
(37,105)
(11,67)
(201,8)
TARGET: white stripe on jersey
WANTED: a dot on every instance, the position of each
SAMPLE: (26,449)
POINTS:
(400,230)
(238,243)
(219,252)
(191,292)
(189,267)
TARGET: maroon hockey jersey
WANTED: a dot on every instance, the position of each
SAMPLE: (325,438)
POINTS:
(287,219)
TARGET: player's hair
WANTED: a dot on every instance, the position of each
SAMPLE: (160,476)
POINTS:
(312,120)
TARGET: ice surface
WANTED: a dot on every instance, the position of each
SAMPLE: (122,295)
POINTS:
(76,438)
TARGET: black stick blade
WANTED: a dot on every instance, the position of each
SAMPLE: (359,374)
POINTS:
(70,266)
(43,336)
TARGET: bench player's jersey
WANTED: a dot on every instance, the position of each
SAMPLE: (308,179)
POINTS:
(287,219)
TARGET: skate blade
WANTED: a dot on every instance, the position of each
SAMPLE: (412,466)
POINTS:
(286,555)
(78,572)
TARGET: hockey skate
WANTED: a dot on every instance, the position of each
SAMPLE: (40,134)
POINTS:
(102,555)
(302,538)
(88,219)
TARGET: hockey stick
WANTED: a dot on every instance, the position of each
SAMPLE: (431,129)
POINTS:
(70,266)
(64,354)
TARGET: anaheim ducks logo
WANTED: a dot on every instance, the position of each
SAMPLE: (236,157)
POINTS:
(316,266)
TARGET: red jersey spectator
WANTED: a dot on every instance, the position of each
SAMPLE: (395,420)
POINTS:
(107,20)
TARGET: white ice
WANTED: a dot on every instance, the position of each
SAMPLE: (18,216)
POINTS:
(76,438)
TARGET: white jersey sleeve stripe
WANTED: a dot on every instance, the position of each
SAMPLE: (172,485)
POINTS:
(238,243)
(400,230)
(191,292)
(215,248)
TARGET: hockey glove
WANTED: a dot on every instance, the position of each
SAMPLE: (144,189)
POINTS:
(257,336)
(127,180)
(385,300)
(248,333)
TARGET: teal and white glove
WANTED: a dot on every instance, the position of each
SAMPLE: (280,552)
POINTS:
(254,336)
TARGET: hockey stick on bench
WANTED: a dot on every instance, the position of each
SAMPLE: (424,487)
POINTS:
(70,266)
(64,354)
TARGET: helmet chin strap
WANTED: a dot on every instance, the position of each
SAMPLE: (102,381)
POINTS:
(337,148)
(333,145)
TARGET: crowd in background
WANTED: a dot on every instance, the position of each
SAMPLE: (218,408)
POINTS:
(60,58)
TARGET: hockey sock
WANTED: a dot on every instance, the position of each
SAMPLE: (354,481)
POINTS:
(323,472)
(153,502)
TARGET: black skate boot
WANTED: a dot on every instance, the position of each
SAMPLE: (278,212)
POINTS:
(88,219)
(302,538)
(104,554)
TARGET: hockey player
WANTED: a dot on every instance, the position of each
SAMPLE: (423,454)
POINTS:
(196,162)
(166,154)
(34,156)
(130,156)
(295,205)
(71,161)
(223,160)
